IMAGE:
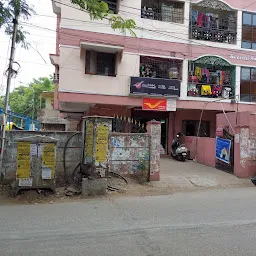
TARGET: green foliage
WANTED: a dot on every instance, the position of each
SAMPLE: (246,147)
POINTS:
(117,22)
(98,10)
(142,174)
(26,99)
(9,9)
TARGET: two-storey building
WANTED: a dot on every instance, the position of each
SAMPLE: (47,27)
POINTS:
(187,55)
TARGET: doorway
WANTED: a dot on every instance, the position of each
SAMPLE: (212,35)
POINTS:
(144,116)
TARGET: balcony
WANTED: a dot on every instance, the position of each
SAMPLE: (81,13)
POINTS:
(213,21)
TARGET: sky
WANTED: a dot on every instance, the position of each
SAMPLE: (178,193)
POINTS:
(42,27)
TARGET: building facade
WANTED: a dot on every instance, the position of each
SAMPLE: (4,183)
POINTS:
(187,56)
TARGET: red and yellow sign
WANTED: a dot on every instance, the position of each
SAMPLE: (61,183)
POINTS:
(154,104)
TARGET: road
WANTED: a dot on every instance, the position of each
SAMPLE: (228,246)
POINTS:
(221,222)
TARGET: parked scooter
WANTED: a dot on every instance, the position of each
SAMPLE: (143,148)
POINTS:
(178,151)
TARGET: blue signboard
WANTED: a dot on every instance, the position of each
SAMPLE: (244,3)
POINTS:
(223,150)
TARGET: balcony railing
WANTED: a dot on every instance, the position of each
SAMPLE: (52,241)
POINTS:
(213,35)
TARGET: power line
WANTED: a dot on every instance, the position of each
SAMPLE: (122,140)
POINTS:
(167,34)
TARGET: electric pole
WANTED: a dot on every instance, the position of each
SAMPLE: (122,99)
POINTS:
(9,77)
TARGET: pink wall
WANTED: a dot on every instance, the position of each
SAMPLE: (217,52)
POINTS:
(203,150)
(244,166)
(176,118)
(150,46)
(195,115)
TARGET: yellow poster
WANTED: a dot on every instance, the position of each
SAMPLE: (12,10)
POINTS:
(89,140)
(49,158)
(102,143)
(23,160)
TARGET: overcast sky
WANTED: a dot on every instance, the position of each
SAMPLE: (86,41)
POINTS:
(42,38)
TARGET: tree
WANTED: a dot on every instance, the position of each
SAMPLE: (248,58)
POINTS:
(98,10)
(25,100)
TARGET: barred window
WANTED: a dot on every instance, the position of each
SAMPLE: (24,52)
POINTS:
(100,63)
(160,68)
(163,10)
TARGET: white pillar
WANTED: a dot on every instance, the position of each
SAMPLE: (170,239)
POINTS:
(184,82)
(238,81)
(239,28)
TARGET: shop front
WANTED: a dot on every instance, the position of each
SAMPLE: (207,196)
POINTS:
(211,77)
(158,100)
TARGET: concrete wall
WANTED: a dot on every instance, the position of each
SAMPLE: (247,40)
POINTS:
(73,77)
(126,151)
(203,150)
(73,152)
(243,126)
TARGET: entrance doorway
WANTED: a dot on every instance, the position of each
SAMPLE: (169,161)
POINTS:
(144,116)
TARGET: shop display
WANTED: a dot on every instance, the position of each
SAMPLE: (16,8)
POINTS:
(210,81)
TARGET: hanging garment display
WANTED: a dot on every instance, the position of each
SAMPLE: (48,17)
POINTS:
(192,90)
(227,92)
(206,90)
(198,72)
(216,90)
(194,79)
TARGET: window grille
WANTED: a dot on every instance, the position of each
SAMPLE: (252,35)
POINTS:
(160,68)
(214,25)
(100,63)
(163,10)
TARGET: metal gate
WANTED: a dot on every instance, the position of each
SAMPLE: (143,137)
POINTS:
(222,165)
(128,125)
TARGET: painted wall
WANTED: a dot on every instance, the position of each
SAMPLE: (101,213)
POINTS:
(73,18)
(202,150)
(243,126)
(73,152)
(126,151)
(73,77)
(195,115)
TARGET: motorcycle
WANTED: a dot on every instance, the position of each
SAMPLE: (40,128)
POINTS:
(179,151)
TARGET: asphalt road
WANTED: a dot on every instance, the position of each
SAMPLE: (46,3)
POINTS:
(200,223)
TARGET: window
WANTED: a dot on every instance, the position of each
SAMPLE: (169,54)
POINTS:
(112,5)
(190,128)
(100,63)
(211,77)
(216,25)
(249,31)
(160,68)
(248,85)
(163,10)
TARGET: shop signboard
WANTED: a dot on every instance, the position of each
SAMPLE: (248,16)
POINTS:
(223,150)
(155,87)
(154,104)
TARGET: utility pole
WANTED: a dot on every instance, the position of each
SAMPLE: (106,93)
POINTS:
(9,77)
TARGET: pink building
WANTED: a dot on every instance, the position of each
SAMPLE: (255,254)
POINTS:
(188,55)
